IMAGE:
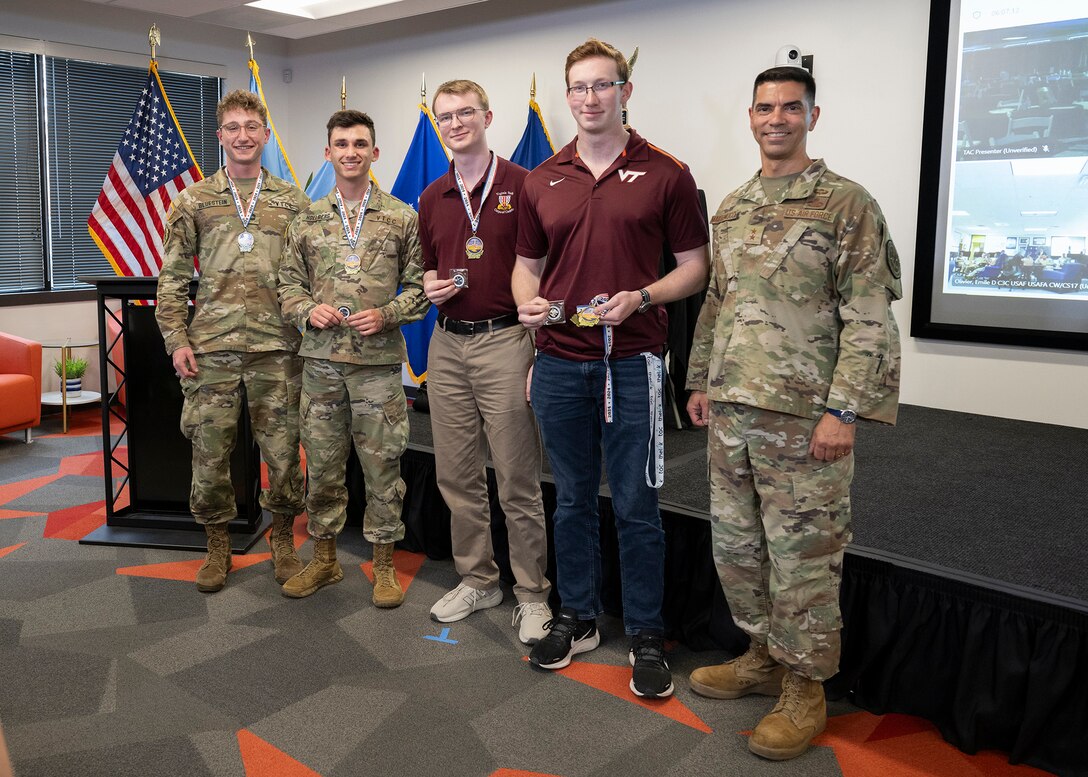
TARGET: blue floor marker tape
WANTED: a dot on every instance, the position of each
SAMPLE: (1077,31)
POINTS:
(443,637)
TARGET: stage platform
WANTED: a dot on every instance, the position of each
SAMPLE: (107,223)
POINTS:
(964,596)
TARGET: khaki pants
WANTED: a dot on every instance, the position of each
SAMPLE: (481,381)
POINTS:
(781,521)
(346,402)
(476,387)
(209,419)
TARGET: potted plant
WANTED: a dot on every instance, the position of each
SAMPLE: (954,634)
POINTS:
(76,368)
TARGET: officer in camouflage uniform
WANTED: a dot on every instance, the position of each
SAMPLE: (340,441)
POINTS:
(796,339)
(345,259)
(234,222)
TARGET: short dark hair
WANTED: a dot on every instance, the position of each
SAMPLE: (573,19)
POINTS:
(787,73)
(350,118)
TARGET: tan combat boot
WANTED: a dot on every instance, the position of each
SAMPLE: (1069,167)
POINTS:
(212,575)
(753,672)
(322,570)
(801,714)
(281,539)
(387,590)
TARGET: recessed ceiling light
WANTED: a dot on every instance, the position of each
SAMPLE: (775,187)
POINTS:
(318,9)
(960,213)
(1038,213)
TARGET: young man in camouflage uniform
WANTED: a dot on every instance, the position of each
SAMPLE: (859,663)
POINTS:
(234,223)
(346,257)
(795,341)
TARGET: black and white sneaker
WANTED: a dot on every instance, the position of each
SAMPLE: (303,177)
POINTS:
(568,637)
(651,677)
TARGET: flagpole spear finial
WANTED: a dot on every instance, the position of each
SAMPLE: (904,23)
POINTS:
(532,89)
(249,44)
(423,88)
(343,92)
(154,38)
(631,62)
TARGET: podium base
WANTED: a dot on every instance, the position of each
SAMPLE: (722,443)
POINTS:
(242,539)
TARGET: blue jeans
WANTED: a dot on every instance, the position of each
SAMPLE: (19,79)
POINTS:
(568,398)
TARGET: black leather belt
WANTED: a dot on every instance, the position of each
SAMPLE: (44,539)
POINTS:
(477,327)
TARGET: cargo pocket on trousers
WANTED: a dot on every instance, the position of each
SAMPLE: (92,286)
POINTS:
(395,410)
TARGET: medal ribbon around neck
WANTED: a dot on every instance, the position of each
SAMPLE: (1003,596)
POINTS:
(352,234)
(474,219)
(252,205)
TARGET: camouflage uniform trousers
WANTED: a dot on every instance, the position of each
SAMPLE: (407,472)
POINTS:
(209,419)
(342,402)
(781,521)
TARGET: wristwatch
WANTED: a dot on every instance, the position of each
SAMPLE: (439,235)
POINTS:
(846,416)
(646,301)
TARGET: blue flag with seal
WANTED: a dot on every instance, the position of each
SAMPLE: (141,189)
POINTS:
(274,157)
(536,144)
(425,161)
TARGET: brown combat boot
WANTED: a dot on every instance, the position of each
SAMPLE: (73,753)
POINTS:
(387,590)
(212,575)
(753,672)
(322,570)
(281,539)
(801,714)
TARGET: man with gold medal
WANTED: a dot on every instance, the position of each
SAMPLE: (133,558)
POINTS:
(351,276)
(477,364)
(234,222)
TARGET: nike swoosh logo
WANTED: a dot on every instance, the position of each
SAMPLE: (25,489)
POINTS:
(553,183)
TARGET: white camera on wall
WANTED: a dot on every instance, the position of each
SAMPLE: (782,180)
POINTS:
(789,56)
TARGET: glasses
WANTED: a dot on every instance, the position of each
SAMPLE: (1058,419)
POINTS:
(463,114)
(251,128)
(581,90)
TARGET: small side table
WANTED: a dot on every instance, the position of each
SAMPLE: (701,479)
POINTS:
(61,397)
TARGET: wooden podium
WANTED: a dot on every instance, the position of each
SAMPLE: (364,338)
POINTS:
(148,463)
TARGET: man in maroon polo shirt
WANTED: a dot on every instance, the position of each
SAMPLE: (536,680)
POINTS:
(477,364)
(599,213)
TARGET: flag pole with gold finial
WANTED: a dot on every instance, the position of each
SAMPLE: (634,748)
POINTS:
(343,93)
(154,37)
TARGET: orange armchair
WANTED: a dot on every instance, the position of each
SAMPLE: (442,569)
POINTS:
(20,385)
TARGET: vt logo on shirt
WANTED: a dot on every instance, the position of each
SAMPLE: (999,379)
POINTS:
(630,176)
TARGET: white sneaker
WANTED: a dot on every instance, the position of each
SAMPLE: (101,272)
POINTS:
(462,601)
(535,619)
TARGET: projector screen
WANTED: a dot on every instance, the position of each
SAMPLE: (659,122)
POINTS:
(1002,250)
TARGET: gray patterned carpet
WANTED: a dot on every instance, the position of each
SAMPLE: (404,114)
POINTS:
(111,663)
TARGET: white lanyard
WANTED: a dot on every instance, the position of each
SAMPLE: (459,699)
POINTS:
(252,206)
(656,447)
(474,218)
(352,234)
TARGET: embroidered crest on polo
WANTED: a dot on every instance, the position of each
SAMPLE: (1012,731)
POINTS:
(504,205)
(630,176)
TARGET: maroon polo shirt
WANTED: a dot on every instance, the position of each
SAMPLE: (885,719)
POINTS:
(605,236)
(444,227)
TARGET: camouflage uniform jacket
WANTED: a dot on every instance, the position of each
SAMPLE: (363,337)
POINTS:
(236,304)
(314,271)
(797,316)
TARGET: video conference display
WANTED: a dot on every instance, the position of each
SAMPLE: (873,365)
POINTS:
(1012,225)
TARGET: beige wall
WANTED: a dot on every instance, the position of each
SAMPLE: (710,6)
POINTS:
(692,87)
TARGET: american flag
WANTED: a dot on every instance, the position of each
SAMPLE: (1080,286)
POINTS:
(152,165)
